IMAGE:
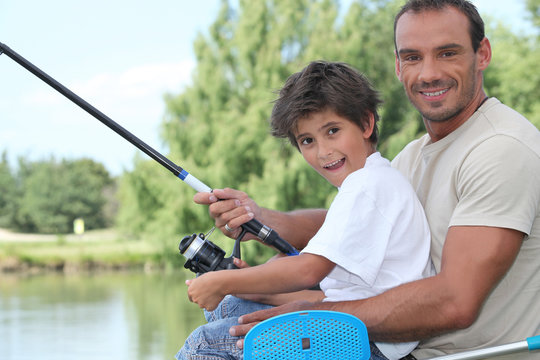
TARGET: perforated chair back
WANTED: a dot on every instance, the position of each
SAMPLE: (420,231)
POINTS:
(315,334)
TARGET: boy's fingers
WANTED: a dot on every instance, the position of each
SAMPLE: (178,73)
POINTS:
(240,263)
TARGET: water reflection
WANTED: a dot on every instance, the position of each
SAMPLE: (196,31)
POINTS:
(100,316)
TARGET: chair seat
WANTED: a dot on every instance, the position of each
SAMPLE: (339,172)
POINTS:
(314,334)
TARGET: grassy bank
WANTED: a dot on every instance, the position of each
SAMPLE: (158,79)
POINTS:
(97,250)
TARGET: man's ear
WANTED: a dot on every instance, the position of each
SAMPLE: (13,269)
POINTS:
(483,54)
(398,68)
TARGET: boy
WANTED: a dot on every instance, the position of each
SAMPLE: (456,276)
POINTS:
(375,235)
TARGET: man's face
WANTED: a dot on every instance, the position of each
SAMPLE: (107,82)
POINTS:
(436,63)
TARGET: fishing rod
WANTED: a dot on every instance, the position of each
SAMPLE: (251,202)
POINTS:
(193,247)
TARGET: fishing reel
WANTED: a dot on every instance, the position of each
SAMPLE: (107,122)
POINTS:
(203,256)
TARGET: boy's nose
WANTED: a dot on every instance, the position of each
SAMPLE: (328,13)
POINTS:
(324,150)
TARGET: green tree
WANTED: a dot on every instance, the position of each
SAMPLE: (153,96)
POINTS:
(54,193)
(533,7)
(513,75)
(217,127)
(8,193)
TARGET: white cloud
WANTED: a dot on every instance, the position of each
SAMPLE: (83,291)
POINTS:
(133,98)
(140,83)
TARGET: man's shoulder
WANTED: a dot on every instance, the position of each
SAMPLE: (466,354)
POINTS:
(410,153)
(507,122)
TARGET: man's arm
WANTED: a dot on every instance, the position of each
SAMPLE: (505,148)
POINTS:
(236,207)
(474,260)
(285,298)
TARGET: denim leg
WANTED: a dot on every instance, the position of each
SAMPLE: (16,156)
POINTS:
(212,340)
(231,306)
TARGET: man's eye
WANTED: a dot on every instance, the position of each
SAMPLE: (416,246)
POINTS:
(411,58)
(448,53)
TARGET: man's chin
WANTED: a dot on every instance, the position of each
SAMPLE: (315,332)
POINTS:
(437,113)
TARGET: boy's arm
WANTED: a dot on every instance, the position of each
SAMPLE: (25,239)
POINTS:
(279,276)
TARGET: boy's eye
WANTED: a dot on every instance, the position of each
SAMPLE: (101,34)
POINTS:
(306,141)
(333,131)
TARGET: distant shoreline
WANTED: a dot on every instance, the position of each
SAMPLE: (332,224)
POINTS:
(98,250)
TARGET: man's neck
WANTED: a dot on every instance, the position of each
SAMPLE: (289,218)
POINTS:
(437,130)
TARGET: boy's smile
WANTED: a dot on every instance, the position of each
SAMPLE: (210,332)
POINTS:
(334,146)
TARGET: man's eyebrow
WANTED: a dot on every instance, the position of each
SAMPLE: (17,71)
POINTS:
(406,51)
(450,46)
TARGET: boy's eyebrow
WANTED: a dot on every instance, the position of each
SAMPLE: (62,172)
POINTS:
(299,136)
(439,48)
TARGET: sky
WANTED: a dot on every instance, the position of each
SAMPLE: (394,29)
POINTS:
(121,56)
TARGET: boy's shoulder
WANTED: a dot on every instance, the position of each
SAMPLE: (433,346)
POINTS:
(376,174)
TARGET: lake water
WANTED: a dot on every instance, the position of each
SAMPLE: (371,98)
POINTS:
(99,316)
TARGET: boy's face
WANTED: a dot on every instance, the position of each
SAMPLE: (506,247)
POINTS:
(332,145)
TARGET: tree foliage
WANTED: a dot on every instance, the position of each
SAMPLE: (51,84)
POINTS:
(513,75)
(217,127)
(47,196)
(8,193)
(533,7)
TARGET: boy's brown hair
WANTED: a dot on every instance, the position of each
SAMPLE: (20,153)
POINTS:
(324,86)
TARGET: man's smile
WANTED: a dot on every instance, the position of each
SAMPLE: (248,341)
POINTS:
(434,93)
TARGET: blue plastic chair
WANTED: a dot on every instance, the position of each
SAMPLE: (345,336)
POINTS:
(314,334)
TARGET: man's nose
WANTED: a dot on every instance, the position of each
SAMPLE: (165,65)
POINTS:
(430,70)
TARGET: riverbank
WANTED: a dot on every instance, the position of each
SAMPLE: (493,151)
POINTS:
(92,251)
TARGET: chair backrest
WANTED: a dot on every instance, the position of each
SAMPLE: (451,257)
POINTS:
(315,334)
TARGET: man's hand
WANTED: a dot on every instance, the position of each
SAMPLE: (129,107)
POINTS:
(250,320)
(229,207)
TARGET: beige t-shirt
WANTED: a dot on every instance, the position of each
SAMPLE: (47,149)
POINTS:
(485,173)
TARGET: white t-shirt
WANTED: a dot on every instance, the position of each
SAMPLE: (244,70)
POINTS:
(376,233)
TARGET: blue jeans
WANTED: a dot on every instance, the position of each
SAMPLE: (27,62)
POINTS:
(212,341)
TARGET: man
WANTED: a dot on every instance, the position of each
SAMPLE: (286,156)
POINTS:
(477,174)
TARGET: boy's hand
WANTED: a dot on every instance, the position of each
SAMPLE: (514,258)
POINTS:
(205,290)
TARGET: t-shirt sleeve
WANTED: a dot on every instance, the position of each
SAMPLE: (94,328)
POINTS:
(497,186)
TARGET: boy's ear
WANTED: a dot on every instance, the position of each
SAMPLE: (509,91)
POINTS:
(371,125)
